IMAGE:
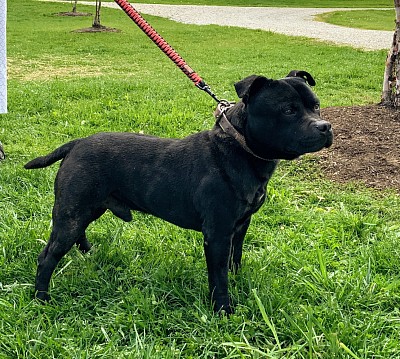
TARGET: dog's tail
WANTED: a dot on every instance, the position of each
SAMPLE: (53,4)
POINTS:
(52,157)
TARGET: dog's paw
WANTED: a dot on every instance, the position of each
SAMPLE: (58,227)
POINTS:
(84,245)
(223,308)
(234,267)
(42,297)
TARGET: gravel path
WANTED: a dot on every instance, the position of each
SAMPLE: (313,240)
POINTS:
(288,21)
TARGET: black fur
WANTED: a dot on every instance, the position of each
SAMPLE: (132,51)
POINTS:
(206,182)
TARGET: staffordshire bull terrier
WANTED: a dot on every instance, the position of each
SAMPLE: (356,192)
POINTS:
(212,181)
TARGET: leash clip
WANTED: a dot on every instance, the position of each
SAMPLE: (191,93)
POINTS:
(203,86)
(222,106)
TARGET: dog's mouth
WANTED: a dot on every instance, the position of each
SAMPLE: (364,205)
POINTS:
(311,145)
(329,140)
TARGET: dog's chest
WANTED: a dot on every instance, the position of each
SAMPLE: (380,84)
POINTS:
(258,199)
(253,204)
(254,201)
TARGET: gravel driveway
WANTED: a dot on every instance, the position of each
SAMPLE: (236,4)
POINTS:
(287,21)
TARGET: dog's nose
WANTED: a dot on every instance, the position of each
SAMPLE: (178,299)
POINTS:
(323,126)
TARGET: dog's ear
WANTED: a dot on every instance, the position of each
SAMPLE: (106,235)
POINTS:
(303,75)
(248,85)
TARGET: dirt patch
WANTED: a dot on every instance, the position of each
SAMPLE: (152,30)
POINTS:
(366,146)
(73,13)
(50,67)
(100,28)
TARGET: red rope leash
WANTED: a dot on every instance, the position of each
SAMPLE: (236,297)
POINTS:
(165,47)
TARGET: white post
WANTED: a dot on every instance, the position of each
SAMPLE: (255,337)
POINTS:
(3,57)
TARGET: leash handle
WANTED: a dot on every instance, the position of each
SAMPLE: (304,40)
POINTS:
(164,46)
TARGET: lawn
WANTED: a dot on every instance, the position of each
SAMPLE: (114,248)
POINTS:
(320,277)
(363,19)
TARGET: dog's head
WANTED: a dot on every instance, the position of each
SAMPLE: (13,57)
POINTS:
(283,116)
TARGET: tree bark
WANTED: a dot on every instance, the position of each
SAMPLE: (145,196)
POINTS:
(74,6)
(96,22)
(391,77)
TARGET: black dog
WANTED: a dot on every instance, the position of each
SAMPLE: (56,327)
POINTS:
(212,181)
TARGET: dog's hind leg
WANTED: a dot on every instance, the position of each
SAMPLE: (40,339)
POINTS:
(67,231)
(82,243)
(59,244)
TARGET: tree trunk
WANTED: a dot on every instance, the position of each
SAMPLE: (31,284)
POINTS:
(391,78)
(74,6)
(96,22)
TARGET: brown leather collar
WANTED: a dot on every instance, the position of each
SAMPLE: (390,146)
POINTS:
(228,128)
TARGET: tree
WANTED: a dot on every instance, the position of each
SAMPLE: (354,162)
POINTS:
(74,6)
(96,21)
(74,11)
(96,25)
(391,78)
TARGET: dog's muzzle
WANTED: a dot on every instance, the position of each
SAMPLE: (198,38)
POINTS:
(325,128)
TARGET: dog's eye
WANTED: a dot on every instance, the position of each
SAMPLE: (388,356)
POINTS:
(289,111)
(316,107)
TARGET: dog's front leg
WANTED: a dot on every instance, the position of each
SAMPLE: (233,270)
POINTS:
(235,258)
(217,249)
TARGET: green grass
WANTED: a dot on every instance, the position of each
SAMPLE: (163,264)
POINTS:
(321,266)
(363,19)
